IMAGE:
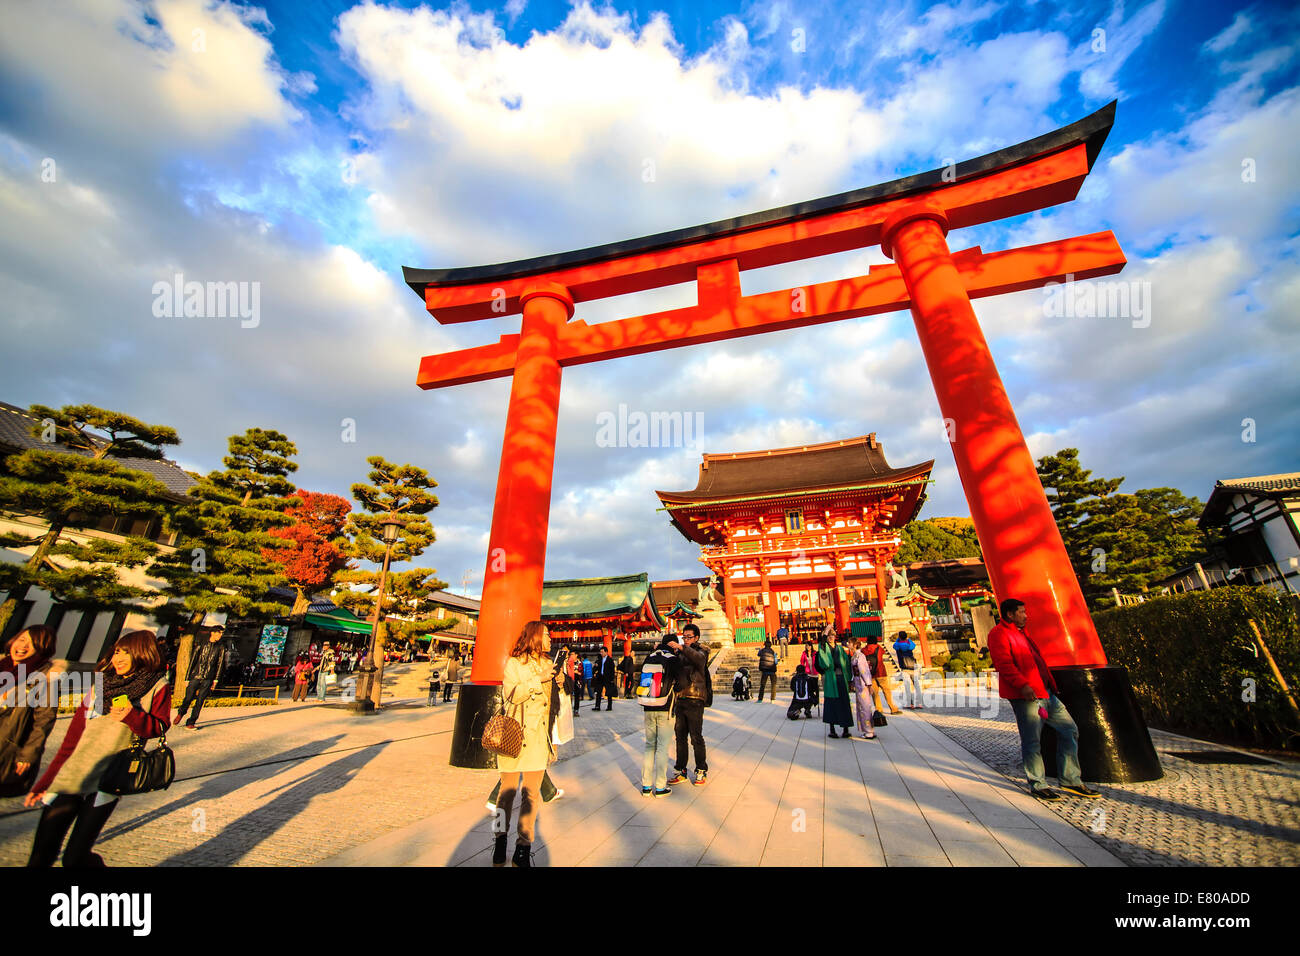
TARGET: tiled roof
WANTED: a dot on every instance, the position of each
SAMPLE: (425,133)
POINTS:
(1289,481)
(449,599)
(598,597)
(852,461)
(16,435)
(1269,486)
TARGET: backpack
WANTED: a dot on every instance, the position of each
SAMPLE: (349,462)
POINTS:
(655,687)
(874,663)
(799,687)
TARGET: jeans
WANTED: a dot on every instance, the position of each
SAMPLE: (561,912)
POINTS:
(1030,724)
(195,694)
(659,734)
(447,689)
(322,682)
(911,684)
(86,820)
(690,724)
(764,677)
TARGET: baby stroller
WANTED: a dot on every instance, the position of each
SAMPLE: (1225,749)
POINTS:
(740,685)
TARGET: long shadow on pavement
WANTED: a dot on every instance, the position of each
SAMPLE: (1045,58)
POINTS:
(235,842)
(223,784)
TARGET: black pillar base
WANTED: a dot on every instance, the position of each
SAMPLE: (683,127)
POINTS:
(1114,744)
(476,704)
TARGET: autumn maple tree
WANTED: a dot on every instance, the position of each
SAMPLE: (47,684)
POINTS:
(314,556)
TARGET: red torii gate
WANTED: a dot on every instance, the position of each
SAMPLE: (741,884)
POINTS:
(910,218)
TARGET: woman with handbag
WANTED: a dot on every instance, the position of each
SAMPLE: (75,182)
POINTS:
(527,692)
(27,711)
(134,699)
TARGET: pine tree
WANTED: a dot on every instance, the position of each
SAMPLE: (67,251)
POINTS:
(316,552)
(1121,541)
(74,488)
(404,492)
(938,539)
(225,529)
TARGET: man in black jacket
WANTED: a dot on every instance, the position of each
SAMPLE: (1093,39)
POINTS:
(604,677)
(693,695)
(207,664)
(767,669)
(626,668)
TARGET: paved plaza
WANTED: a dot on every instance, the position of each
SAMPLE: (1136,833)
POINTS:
(312,784)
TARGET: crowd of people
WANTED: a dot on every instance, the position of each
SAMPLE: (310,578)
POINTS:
(843,675)
(130,702)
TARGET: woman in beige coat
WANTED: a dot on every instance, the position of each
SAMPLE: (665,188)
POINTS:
(527,689)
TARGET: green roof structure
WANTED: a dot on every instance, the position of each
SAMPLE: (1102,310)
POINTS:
(627,597)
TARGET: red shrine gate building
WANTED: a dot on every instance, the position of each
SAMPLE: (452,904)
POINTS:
(799,536)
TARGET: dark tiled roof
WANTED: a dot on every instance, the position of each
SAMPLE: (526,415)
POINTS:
(1281,485)
(1265,484)
(451,600)
(16,435)
(850,461)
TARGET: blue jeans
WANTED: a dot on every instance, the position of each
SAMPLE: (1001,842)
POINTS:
(660,737)
(1030,723)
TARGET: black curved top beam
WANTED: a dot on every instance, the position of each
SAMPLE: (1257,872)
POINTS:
(1091,130)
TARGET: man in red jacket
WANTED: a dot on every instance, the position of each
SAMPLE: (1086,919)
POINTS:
(1025,680)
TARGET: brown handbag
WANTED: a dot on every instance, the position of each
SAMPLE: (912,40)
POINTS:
(503,735)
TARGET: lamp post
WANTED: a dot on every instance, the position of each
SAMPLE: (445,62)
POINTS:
(365,703)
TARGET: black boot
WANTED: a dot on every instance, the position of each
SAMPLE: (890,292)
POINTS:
(499,850)
(523,855)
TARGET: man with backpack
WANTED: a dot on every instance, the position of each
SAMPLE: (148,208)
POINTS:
(656,693)
(905,648)
(801,697)
(694,693)
(766,669)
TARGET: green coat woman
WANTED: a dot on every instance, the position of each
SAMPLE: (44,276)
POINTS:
(834,666)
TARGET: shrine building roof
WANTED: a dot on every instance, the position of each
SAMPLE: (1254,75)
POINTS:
(850,463)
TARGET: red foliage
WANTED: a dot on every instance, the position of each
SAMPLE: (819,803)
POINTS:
(313,559)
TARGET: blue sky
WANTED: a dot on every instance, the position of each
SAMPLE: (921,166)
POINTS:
(317,148)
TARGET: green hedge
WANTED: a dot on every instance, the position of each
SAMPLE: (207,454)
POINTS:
(1189,657)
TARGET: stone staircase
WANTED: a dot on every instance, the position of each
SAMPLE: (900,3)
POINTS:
(746,655)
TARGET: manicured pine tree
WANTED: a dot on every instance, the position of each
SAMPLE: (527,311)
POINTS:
(73,487)
(1121,541)
(406,492)
(223,533)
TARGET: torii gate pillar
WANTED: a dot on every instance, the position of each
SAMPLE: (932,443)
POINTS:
(516,562)
(1023,549)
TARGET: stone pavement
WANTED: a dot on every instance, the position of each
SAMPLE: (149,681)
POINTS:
(779,793)
(1198,815)
(292,784)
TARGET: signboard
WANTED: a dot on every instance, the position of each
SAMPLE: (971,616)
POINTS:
(271,648)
